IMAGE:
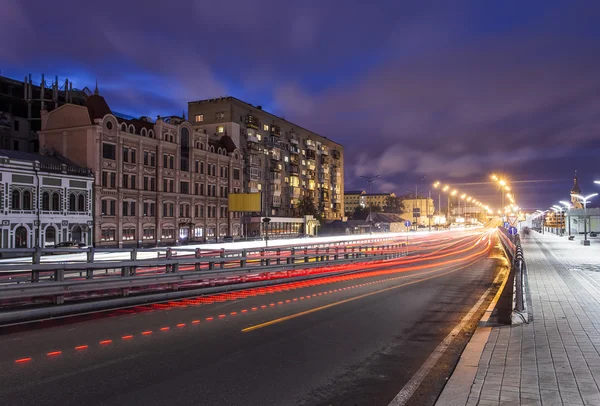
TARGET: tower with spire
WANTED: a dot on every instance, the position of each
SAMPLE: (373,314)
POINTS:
(576,190)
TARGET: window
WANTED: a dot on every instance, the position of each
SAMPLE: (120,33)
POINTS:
(46,201)
(220,129)
(236,174)
(125,154)
(168,233)
(27,200)
(16,125)
(214,190)
(108,234)
(202,189)
(184,210)
(109,179)
(21,237)
(219,115)
(172,162)
(202,168)
(128,234)
(149,209)
(265,127)
(184,187)
(152,159)
(223,212)
(165,160)
(132,156)
(55,201)
(148,233)
(199,211)
(199,118)
(198,232)
(128,208)
(50,238)
(16,200)
(108,207)
(108,151)
(125,181)
(146,157)
(150,183)
(81,203)
(196,166)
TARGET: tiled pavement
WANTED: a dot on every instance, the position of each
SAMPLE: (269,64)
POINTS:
(554,360)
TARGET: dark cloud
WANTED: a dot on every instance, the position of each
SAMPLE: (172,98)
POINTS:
(450,90)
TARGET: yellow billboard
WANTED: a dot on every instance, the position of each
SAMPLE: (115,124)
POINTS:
(244,202)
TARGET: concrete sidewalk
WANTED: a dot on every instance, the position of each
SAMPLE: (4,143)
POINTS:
(553,360)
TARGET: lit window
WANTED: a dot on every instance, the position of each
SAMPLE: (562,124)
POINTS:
(199,118)
(286,159)
(259,186)
(266,127)
(220,129)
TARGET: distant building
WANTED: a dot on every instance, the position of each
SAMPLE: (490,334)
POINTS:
(156,183)
(354,199)
(377,199)
(44,200)
(576,190)
(16,134)
(21,104)
(425,206)
(282,161)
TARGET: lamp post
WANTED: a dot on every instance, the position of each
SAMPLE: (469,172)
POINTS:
(585,200)
(370,180)
(568,207)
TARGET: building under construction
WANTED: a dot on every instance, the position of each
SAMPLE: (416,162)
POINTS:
(21,103)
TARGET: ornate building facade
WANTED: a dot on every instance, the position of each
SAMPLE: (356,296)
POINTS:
(156,183)
(44,200)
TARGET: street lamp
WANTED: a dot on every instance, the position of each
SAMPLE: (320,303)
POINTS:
(370,180)
(559,209)
(568,207)
(584,200)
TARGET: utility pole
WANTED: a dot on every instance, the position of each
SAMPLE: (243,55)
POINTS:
(370,180)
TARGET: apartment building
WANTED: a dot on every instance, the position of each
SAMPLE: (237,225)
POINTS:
(45,199)
(156,183)
(354,199)
(282,160)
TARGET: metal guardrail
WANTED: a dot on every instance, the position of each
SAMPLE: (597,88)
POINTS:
(512,246)
(127,277)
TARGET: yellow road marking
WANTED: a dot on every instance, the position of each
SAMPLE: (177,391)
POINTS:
(317,309)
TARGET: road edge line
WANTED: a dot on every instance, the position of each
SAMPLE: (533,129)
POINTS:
(412,385)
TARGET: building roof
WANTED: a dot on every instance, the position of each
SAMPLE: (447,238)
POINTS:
(50,160)
(381,194)
(231,99)
(576,189)
(354,192)
(97,107)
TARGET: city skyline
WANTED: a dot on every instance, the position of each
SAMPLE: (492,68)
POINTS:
(452,92)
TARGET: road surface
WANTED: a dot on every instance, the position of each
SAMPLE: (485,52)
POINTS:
(347,340)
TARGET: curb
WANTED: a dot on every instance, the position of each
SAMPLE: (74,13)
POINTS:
(458,388)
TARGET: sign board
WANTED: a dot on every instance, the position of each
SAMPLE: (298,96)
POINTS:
(407,223)
(416,212)
(512,231)
(506,224)
(244,202)
(512,220)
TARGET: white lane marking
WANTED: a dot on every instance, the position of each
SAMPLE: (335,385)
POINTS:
(409,389)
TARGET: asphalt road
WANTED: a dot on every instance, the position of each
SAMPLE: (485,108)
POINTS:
(347,340)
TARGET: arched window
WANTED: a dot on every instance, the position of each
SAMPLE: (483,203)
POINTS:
(72,206)
(151,133)
(27,200)
(202,146)
(50,237)
(81,203)
(16,200)
(45,201)
(55,201)
(21,237)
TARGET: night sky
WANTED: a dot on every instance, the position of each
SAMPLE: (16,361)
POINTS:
(448,90)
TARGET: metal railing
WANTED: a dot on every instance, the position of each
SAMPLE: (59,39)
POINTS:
(513,249)
(170,268)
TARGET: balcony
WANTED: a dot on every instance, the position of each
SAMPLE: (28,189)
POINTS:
(252,122)
(294,170)
(276,131)
(252,139)
(294,160)
(325,160)
(294,149)
(295,192)
(336,154)
(294,141)
(311,155)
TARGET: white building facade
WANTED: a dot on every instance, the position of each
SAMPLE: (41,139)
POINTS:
(44,200)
